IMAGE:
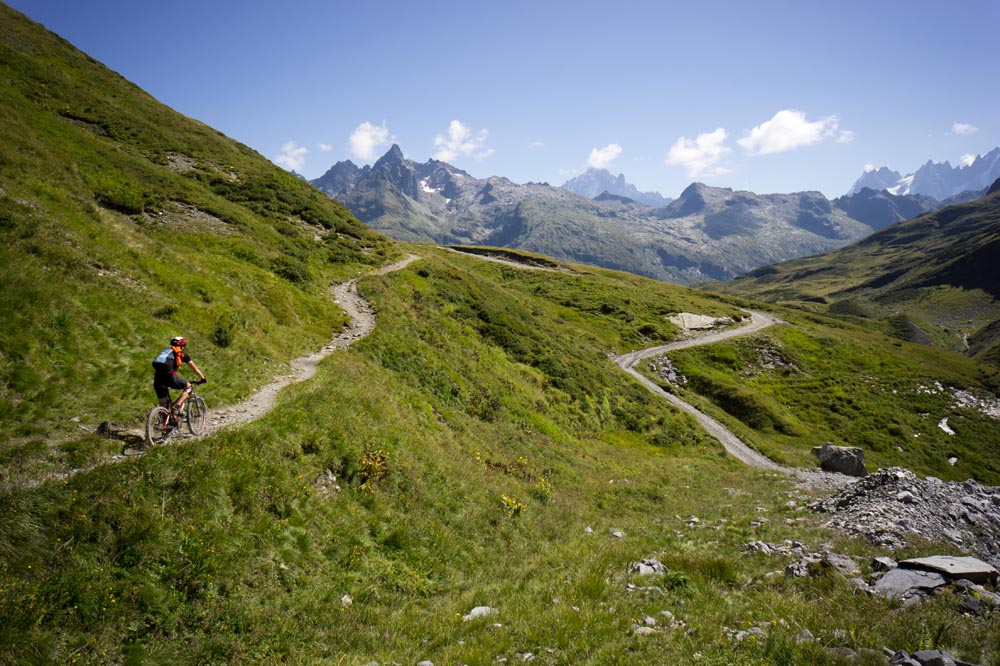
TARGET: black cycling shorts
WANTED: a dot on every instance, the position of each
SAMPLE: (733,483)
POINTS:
(162,384)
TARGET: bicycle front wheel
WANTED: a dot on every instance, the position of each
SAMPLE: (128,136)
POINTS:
(197,415)
(158,426)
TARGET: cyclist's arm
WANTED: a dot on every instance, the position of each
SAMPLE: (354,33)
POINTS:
(201,375)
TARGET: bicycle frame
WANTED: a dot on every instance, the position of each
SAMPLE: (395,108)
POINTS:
(162,422)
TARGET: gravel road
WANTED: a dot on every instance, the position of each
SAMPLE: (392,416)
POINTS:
(736,447)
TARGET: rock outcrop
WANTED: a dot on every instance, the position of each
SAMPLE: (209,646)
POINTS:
(842,460)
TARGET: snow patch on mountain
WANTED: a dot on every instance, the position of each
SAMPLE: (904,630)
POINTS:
(902,186)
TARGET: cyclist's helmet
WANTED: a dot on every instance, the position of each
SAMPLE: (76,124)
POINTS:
(178,341)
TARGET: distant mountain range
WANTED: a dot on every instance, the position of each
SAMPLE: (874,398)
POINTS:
(708,233)
(592,183)
(940,181)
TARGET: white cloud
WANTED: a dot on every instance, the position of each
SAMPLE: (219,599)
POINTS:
(845,136)
(789,129)
(700,156)
(600,158)
(963,129)
(292,156)
(460,141)
(968,159)
(534,145)
(325,147)
(869,167)
(365,140)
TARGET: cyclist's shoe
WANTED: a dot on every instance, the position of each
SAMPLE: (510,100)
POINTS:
(175,410)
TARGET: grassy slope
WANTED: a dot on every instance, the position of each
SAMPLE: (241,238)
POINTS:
(474,436)
(932,279)
(123,222)
(818,380)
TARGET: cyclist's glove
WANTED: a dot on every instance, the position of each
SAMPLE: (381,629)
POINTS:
(203,381)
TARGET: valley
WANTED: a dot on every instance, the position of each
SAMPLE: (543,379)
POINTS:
(502,455)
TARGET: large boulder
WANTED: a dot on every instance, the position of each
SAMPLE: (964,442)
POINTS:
(968,568)
(904,583)
(841,459)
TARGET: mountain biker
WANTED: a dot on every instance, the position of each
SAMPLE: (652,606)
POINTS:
(165,373)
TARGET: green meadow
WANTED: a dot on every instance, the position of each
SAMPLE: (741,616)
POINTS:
(479,448)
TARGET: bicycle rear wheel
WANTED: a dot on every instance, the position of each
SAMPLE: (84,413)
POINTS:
(197,415)
(158,426)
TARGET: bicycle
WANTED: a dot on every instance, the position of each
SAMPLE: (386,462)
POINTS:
(162,423)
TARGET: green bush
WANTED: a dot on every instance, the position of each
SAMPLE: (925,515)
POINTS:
(291,269)
(121,198)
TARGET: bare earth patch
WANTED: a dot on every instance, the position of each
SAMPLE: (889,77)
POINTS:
(190,219)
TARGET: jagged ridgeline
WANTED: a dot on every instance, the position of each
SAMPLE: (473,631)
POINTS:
(123,222)
(708,233)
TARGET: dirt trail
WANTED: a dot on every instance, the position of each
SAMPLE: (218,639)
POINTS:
(362,324)
(758,321)
(734,445)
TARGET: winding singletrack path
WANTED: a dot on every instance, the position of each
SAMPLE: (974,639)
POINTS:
(362,323)
(757,321)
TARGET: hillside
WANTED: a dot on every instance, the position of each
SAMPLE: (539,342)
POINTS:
(933,279)
(708,233)
(473,480)
(480,449)
(123,223)
(879,208)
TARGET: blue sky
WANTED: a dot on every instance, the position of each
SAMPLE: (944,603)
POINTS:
(765,96)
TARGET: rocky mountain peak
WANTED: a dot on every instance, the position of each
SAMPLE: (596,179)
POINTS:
(876,179)
(397,171)
(436,202)
(395,153)
(594,182)
(340,178)
(692,200)
(939,180)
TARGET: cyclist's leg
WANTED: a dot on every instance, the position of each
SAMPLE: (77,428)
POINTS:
(185,387)
(162,396)
(162,392)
